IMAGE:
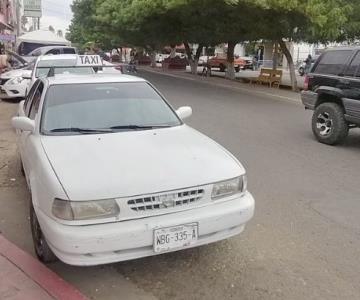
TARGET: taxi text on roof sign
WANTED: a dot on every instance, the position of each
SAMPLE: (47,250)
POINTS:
(89,60)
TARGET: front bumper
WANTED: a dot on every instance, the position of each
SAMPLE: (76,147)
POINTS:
(114,242)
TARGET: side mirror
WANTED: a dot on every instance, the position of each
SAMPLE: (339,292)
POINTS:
(184,112)
(23,123)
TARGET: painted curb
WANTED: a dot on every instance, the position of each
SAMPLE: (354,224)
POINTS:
(39,273)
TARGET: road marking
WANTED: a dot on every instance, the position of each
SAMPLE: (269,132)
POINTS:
(277,97)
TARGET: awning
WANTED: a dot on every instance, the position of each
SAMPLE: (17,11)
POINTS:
(42,37)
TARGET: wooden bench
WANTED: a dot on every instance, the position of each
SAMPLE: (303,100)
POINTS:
(270,76)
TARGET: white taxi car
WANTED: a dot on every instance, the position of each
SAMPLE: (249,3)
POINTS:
(62,63)
(115,174)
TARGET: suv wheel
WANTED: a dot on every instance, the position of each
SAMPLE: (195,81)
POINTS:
(42,249)
(328,124)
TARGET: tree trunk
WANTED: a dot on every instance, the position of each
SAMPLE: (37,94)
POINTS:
(193,60)
(173,51)
(290,61)
(275,55)
(230,71)
(153,59)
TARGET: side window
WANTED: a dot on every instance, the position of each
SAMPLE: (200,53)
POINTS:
(36,101)
(53,51)
(69,51)
(354,66)
(333,62)
(29,97)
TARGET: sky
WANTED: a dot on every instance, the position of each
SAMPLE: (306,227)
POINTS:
(56,13)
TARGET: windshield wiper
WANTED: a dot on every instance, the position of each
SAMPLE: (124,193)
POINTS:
(135,127)
(81,130)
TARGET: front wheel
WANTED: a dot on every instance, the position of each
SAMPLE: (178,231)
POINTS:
(329,125)
(42,249)
(222,68)
(237,69)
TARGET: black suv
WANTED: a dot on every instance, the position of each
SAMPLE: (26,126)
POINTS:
(332,90)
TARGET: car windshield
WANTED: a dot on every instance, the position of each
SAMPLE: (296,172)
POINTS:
(61,66)
(104,107)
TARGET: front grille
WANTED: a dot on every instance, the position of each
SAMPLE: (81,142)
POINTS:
(166,200)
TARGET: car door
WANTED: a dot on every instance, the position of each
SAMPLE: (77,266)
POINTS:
(27,139)
(26,104)
(350,85)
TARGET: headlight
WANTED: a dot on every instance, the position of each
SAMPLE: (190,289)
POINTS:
(229,187)
(16,80)
(85,210)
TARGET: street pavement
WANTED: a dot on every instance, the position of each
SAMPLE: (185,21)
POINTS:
(304,241)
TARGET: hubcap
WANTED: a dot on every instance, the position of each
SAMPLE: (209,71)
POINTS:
(324,124)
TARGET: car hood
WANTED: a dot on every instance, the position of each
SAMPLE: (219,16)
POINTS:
(15,73)
(125,164)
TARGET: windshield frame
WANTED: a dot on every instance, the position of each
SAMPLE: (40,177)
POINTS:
(46,133)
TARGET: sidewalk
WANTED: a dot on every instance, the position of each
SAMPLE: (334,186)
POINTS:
(24,277)
(246,75)
(261,90)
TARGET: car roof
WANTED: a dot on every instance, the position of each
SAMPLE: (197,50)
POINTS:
(45,48)
(92,78)
(343,48)
(58,57)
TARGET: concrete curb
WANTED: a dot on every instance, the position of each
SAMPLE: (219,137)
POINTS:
(55,286)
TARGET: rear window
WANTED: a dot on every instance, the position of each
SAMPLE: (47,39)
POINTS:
(333,62)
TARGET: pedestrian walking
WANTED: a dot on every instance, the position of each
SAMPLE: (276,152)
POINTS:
(308,63)
(255,62)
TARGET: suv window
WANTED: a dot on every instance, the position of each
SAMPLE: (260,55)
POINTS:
(333,62)
(54,51)
(69,51)
(354,66)
(36,101)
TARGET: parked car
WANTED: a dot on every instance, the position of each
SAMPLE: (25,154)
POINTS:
(14,82)
(160,57)
(302,66)
(332,90)
(203,60)
(64,63)
(87,144)
(249,62)
(220,61)
(50,50)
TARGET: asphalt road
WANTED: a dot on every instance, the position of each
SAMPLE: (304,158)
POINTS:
(304,241)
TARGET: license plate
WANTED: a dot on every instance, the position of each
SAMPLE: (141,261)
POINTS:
(177,237)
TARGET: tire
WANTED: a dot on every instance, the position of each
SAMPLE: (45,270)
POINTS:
(42,249)
(222,68)
(237,69)
(301,71)
(329,125)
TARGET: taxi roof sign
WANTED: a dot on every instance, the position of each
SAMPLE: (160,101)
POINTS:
(89,61)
